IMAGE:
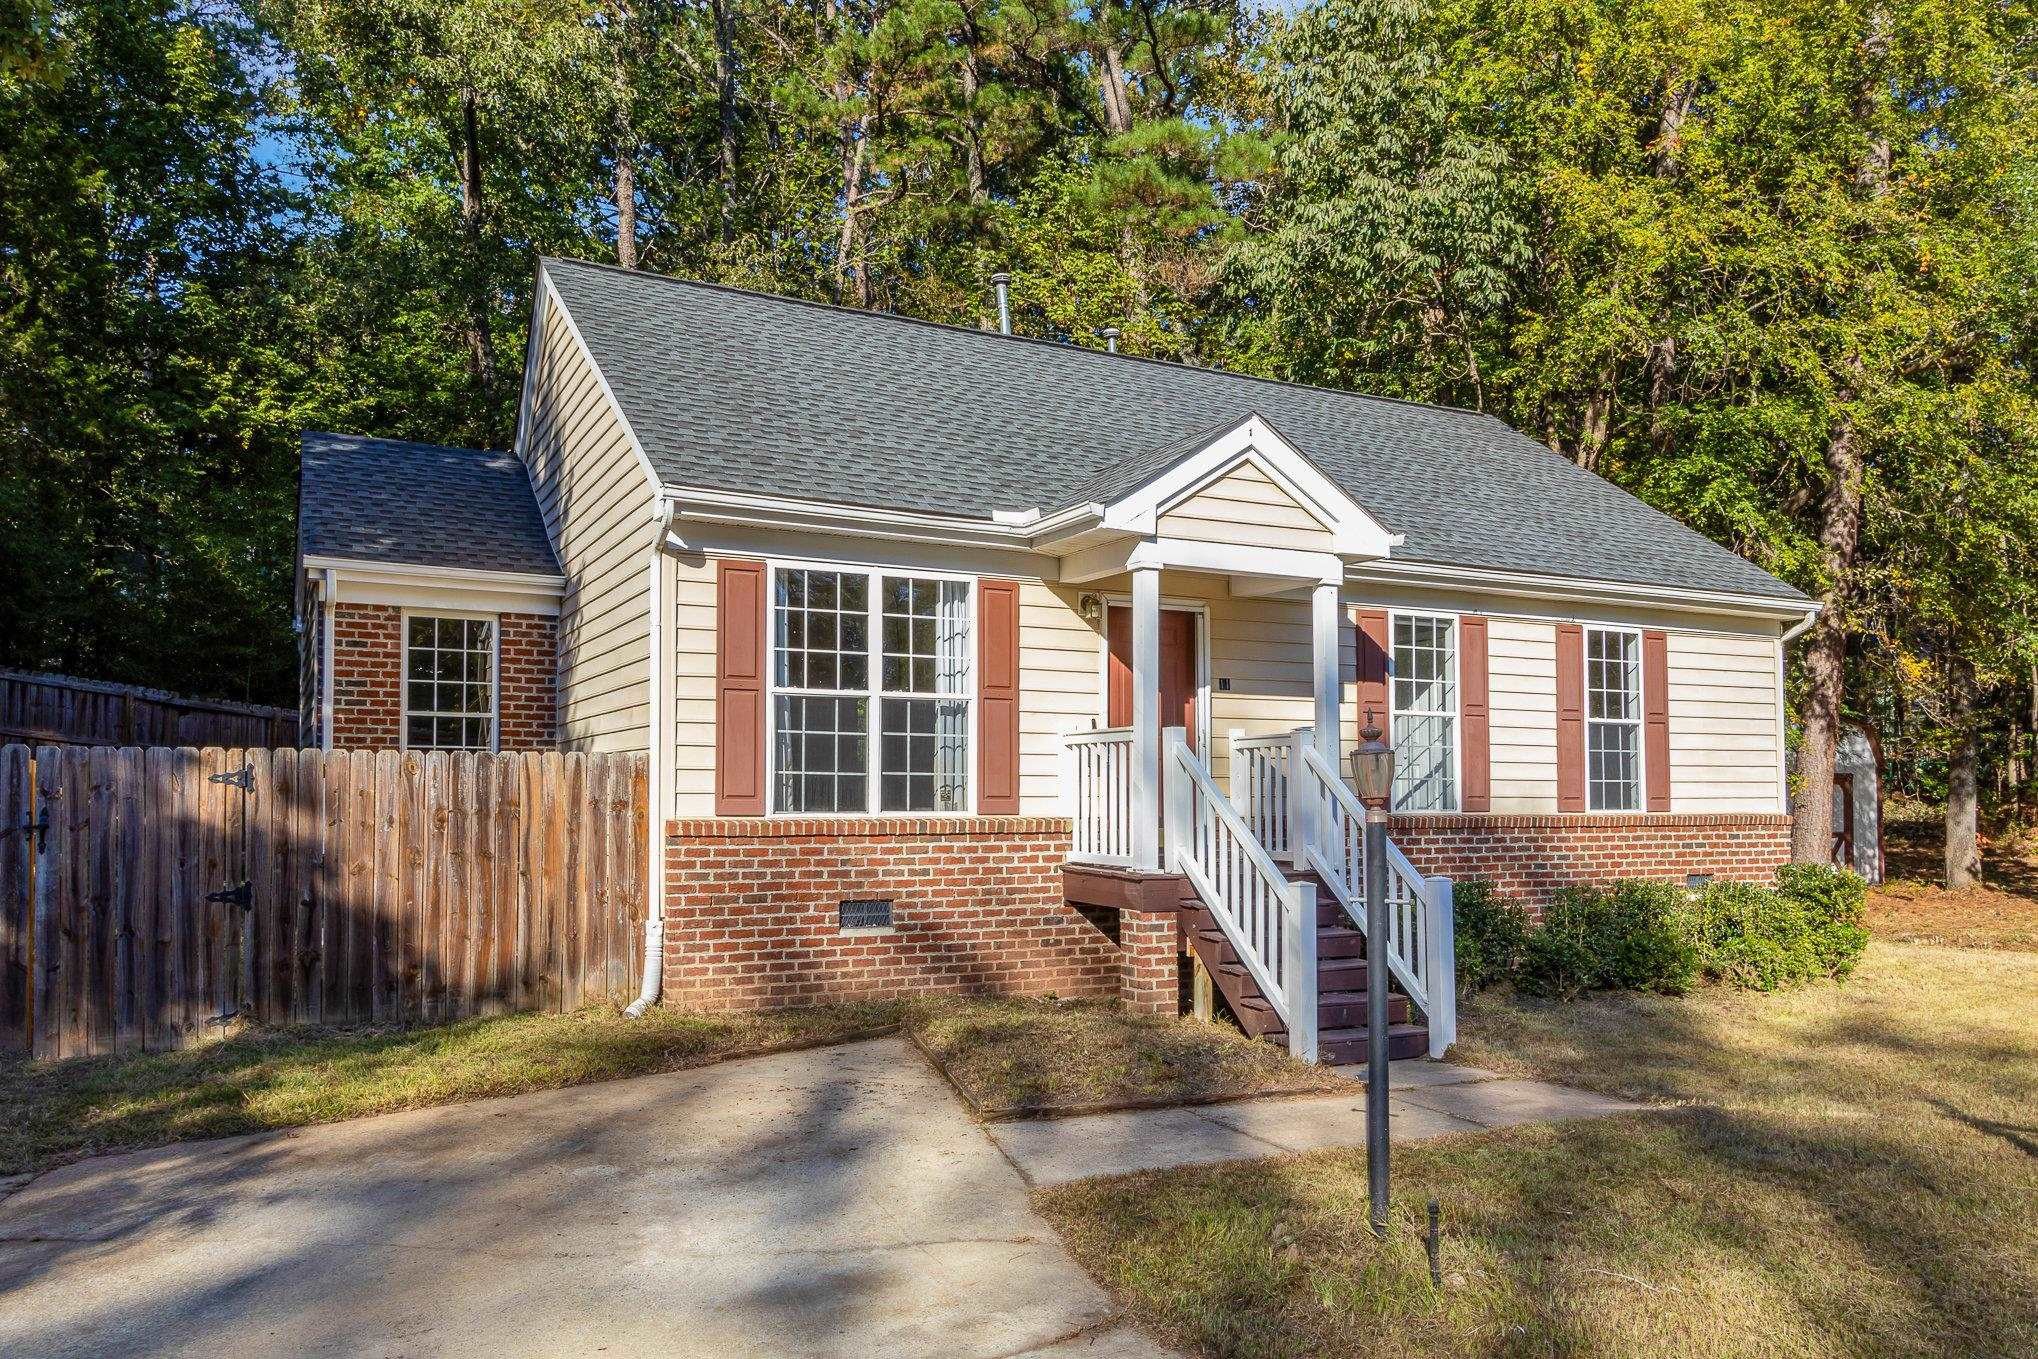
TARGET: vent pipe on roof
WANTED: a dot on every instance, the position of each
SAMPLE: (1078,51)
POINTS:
(1110,334)
(1002,281)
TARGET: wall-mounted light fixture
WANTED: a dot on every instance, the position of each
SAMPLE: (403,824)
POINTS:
(1091,607)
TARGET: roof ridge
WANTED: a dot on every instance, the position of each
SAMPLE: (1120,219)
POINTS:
(1061,346)
(305,434)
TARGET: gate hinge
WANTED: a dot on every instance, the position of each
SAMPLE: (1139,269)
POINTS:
(242,778)
(35,831)
(241,894)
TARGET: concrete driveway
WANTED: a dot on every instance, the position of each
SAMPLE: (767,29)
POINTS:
(830,1202)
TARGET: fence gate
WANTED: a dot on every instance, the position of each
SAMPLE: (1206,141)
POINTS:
(19,833)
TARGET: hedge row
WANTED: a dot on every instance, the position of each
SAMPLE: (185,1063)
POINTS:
(1661,937)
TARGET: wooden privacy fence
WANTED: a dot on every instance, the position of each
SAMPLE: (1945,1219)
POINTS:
(148,896)
(65,710)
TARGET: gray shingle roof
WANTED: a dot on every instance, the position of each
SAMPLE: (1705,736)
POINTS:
(735,390)
(378,500)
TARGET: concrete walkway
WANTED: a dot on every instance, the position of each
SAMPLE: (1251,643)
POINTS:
(830,1202)
(1427,1099)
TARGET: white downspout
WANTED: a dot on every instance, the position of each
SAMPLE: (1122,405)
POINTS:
(328,616)
(1790,634)
(661,739)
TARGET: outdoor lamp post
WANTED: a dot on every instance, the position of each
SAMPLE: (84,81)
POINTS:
(1373,776)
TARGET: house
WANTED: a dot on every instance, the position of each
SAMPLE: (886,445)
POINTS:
(966,660)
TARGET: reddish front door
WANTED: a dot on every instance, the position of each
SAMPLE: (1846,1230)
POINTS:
(1178,670)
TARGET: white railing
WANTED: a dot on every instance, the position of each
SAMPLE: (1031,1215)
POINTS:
(1259,787)
(1269,921)
(1097,781)
(1330,822)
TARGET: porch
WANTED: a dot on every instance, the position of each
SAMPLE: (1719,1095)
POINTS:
(1264,872)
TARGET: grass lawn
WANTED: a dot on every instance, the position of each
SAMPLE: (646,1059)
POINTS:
(1020,1058)
(1854,1170)
(53,1112)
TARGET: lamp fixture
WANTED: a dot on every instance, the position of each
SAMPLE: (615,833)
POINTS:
(1373,766)
(1091,607)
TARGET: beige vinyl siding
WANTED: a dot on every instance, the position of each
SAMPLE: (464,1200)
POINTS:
(1061,672)
(1521,673)
(690,585)
(1723,755)
(596,499)
(1245,507)
(1264,647)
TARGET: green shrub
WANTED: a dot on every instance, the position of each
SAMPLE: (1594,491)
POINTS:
(1560,956)
(1751,936)
(1647,944)
(1489,931)
(1832,900)
(1631,935)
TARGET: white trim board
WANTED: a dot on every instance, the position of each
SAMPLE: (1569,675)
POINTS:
(439,587)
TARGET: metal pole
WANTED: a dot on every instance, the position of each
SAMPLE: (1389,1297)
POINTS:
(1002,282)
(1376,1015)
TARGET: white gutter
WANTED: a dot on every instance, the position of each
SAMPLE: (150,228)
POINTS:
(1534,585)
(661,763)
(1789,634)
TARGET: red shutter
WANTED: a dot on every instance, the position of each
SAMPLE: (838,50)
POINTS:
(1570,717)
(998,697)
(1375,652)
(1477,720)
(739,688)
(1656,719)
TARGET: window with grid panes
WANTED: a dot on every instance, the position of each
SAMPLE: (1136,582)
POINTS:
(1424,699)
(1613,720)
(448,683)
(871,690)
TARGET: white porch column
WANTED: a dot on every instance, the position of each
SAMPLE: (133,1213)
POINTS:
(1146,717)
(1323,628)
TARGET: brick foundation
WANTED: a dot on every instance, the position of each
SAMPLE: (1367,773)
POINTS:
(368,678)
(1530,857)
(751,915)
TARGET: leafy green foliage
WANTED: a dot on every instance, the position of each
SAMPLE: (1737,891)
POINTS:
(1656,936)
(1628,936)
(1489,931)
(1809,926)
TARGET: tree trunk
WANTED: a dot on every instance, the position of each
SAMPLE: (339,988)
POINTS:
(480,342)
(1963,845)
(725,112)
(1826,655)
(1594,425)
(626,169)
(1117,99)
(973,149)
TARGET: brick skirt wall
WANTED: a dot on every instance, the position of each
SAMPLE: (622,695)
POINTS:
(1530,857)
(751,912)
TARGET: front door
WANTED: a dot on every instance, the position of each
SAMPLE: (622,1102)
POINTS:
(1178,670)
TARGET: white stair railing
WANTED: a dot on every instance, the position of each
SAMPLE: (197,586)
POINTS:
(1269,921)
(1420,944)
(1097,782)
(1259,788)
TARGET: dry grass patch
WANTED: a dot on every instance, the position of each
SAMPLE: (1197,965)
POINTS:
(1856,1173)
(53,1112)
(1979,917)
(1018,1058)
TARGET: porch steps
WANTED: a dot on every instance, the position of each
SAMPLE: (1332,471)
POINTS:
(1341,988)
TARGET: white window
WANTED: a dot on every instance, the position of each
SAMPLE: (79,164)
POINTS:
(448,683)
(1613,720)
(1424,699)
(871,692)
